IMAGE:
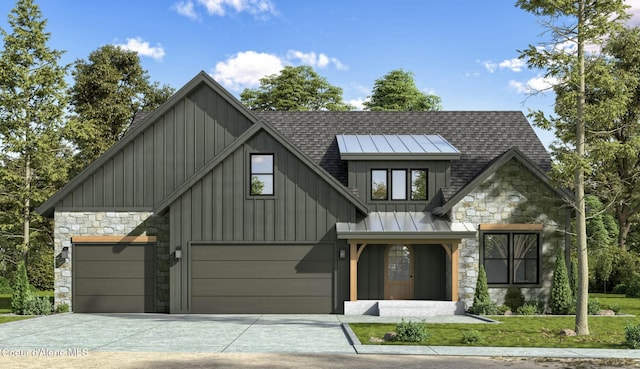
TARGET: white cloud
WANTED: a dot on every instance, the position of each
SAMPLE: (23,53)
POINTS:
(245,69)
(185,8)
(143,48)
(357,103)
(514,64)
(534,85)
(490,66)
(320,60)
(258,8)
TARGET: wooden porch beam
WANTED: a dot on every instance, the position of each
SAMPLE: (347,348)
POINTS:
(353,272)
(454,272)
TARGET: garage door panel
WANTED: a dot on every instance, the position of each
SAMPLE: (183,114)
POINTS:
(113,286)
(112,252)
(261,278)
(263,252)
(261,305)
(114,269)
(114,304)
(261,287)
(260,269)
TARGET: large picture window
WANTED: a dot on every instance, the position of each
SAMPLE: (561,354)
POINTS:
(511,257)
(261,175)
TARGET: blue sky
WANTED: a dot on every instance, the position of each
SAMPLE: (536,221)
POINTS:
(463,51)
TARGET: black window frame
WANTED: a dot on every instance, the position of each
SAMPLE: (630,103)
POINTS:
(410,184)
(386,176)
(392,185)
(271,174)
(511,271)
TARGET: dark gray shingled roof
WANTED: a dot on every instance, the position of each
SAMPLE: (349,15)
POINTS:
(481,136)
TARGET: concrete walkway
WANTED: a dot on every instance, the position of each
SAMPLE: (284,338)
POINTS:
(326,334)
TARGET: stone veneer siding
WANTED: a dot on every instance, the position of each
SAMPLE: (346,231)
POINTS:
(69,224)
(511,195)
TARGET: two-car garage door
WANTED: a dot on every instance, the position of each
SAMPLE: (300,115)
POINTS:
(261,278)
(113,278)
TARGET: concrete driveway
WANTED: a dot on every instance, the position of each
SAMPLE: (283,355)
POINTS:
(178,333)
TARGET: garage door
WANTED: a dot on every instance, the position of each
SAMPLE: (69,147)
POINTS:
(269,279)
(113,278)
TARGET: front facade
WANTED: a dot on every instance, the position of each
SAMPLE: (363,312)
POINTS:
(206,207)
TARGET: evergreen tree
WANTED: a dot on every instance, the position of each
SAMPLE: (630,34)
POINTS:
(481,294)
(560,299)
(32,104)
(20,290)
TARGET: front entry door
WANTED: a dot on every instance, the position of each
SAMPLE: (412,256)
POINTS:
(398,279)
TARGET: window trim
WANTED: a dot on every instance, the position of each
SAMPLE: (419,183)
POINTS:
(272,174)
(511,231)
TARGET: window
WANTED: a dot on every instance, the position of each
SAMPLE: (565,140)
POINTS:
(418,184)
(261,175)
(511,257)
(379,184)
(402,184)
(398,184)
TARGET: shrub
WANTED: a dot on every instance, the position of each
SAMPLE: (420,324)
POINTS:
(40,266)
(616,308)
(411,332)
(514,298)
(471,336)
(620,289)
(481,294)
(5,286)
(633,289)
(527,309)
(485,308)
(37,305)
(62,308)
(632,334)
(20,290)
(593,306)
(561,298)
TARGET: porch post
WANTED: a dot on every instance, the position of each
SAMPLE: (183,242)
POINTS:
(454,271)
(353,271)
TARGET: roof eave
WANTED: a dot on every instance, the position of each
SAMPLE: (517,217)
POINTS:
(366,235)
(400,156)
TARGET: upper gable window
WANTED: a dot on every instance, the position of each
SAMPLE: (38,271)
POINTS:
(418,184)
(398,184)
(378,184)
(261,175)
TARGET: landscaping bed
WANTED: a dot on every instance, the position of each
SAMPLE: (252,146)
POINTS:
(522,331)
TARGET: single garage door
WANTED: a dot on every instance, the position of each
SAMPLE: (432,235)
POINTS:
(265,279)
(113,278)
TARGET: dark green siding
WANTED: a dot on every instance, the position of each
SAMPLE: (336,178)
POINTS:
(218,208)
(162,157)
(113,278)
(371,273)
(438,176)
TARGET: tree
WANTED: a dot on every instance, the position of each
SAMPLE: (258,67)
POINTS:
(560,298)
(294,89)
(32,104)
(577,23)
(109,89)
(397,91)
(481,294)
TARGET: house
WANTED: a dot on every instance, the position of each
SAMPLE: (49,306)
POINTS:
(207,207)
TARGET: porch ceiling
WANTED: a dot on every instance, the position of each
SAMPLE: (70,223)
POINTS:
(404,225)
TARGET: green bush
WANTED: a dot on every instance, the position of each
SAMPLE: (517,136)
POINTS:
(633,289)
(527,309)
(62,308)
(615,308)
(411,332)
(37,305)
(514,298)
(21,290)
(593,306)
(481,294)
(471,336)
(485,308)
(40,266)
(561,298)
(620,289)
(632,334)
(5,286)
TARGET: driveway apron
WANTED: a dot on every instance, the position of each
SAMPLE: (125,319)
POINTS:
(178,333)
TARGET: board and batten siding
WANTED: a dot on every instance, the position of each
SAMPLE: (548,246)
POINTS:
(438,176)
(164,155)
(218,208)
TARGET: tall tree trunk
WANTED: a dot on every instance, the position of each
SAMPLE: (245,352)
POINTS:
(624,226)
(582,318)
(26,211)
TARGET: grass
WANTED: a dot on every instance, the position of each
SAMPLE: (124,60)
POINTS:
(526,331)
(5,306)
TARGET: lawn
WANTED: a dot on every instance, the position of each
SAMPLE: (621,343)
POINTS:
(5,306)
(526,331)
